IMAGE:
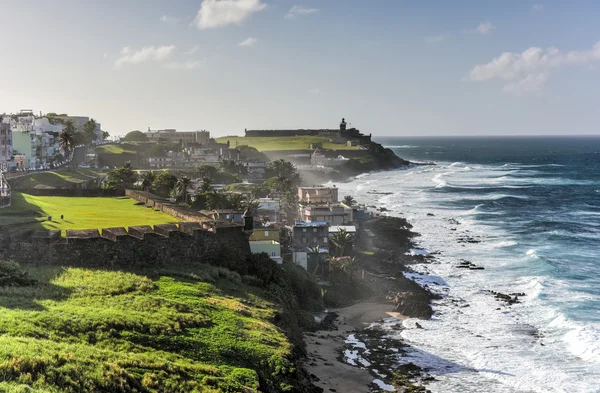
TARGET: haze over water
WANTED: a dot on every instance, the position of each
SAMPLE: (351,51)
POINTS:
(534,205)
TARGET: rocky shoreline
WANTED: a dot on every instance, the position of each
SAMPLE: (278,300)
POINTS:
(353,351)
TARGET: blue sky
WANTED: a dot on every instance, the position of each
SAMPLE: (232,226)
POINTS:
(391,67)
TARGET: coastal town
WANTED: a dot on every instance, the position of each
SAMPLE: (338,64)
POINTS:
(206,180)
(258,212)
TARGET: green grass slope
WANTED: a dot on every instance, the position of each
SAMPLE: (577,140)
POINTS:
(284,143)
(86,330)
(31,212)
(55,179)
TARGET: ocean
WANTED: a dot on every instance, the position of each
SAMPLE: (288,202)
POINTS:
(527,209)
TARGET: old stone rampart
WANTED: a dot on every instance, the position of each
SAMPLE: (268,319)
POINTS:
(162,204)
(186,243)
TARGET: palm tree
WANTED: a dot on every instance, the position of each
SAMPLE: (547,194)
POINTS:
(349,200)
(206,185)
(66,139)
(214,200)
(341,240)
(236,201)
(315,250)
(252,207)
(147,180)
(181,187)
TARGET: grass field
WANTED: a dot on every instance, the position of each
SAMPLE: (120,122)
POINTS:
(57,179)
(86,330)
(114,149)
(284,143)
(31,212)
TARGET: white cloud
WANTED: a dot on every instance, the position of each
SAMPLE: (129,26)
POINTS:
(299,10)
(530,84)
(219,13)
(528,71)
(146,54)
(186,65)
(248,42)
(485,28)
(169,19)
(192,50)
(436,38)
(537,7)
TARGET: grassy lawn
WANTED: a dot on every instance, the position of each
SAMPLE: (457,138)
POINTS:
(114,149)
(57,179)
(31,212)
(87,330)
(283,143)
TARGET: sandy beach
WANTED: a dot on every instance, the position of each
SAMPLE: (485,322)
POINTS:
(324,348)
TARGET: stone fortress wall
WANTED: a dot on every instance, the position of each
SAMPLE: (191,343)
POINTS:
(198,239)
(186,243)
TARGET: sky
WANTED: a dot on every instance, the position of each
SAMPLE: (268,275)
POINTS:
(390,67)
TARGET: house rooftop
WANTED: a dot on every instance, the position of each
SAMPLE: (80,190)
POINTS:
(310,224)
(264,242)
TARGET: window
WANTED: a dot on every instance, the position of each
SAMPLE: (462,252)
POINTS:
(325,239)
(315,240)
(314,229)
(303,229)
(304,240)
(266,233)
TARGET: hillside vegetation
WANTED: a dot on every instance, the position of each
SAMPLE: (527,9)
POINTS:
(284,143)
(201,329)
(32,212)
(59,179)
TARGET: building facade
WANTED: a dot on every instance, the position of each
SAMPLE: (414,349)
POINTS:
(310,234)
(332,214)
(271,234)
(318,195)
(174,136)
(270,247)
(6,146)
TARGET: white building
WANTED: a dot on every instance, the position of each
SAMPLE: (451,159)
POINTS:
(5,146)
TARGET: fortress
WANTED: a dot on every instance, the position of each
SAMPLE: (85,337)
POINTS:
(186,243)
(197,240)
(343,133)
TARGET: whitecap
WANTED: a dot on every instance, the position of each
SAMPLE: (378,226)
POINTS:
(384,386)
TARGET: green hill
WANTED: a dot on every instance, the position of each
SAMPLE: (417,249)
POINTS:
(195,330)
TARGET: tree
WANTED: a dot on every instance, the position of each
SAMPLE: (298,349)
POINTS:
(349,200)
(215,200)
(136,136)
(164,184)
(208,171)
(122,178)
(341,242)
(252,207)
(236,201)
(89,131)
(147,180)
(181,187)
(206,185)
(66,139)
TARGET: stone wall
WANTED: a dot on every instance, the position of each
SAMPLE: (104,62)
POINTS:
(186,243)
(162,204)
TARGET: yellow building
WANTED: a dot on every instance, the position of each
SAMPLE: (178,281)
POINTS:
(260,234)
